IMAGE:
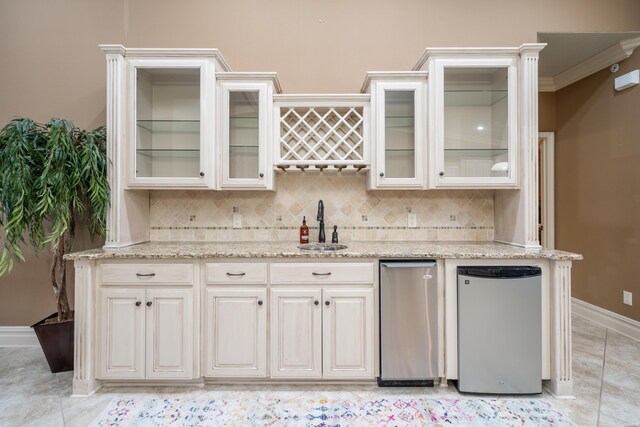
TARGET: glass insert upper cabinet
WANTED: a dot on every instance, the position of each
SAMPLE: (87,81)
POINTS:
(399,134)
(171,128)
(474,121)
(245,125)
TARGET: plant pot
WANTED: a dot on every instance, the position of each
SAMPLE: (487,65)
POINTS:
(56,340)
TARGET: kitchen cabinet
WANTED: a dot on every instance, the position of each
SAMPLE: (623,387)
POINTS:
(473,121)
(398,103)
(236,332)
(146,333)
(170,123)
(322,333)
(296,333)
(245,123)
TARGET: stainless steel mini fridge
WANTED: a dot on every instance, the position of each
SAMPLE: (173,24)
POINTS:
(408,323)
(500,329)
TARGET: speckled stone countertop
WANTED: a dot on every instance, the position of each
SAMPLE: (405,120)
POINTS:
(204,250)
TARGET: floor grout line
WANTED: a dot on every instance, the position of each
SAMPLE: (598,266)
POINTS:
(604,358)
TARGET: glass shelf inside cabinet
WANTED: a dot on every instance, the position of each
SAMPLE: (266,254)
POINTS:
(477,152)
(243,122)
(471,98)
(169,152)
(192,126)
(399,122)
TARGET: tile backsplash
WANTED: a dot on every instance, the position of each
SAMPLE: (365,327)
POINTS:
(359,214)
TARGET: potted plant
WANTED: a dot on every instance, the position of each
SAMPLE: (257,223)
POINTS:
(49,174)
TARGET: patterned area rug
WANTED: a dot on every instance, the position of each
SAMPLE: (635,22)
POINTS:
(302,412)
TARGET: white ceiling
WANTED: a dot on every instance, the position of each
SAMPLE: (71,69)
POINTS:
(565,50)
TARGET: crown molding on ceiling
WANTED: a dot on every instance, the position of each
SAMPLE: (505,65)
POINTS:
(597,62)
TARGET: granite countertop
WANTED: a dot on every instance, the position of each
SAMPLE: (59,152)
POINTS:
(205,250)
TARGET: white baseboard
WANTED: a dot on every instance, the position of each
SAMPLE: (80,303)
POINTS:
(18,336)
(606,318)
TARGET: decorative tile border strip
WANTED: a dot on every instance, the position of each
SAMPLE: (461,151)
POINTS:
(316,228)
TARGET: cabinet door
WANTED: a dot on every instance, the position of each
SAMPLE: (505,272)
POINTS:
(474,122)
(347,333)
(169,333)
(399,135)
(121,326)
(171,123)
(245,122)
(296,333)
(236,333)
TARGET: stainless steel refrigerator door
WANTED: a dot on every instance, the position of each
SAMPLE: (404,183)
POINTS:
(499,335)
(408,320)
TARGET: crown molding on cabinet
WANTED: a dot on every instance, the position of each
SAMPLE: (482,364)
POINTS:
(392,75)
(168,53)
(271,76)
(477,51)
(591,65)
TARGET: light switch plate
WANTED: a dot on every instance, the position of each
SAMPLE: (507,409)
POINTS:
(237,220)
(412,220)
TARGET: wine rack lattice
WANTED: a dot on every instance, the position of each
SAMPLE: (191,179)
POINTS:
(330,136)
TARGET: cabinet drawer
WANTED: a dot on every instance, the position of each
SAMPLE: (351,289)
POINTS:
(175,274)
(238,272)
(321,272)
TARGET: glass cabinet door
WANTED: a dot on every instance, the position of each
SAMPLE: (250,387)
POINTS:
(400,135)
(477,128)
(244,129)
(168,128)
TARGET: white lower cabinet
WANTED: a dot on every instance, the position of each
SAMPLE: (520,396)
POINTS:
(347,333)
(322,333)
(236,333)
(146,333)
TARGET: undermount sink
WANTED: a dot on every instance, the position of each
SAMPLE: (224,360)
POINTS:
(322,246)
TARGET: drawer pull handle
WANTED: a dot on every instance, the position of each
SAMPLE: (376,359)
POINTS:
(321,274)
(149,303)
(138,303)
(145,274)
(316,302)
(327,303)
(236,274)
(259,302)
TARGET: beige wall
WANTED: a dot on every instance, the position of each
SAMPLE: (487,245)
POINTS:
(51,65)
(547,111)
(598,186)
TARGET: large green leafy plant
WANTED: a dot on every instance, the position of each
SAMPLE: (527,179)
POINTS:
(49,174)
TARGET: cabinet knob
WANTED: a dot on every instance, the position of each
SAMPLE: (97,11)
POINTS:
(327,303)
(441,174)
(260,302)
(261,175)
(381,174)
(138,303)
(201,173)
(149,303)
(316,302)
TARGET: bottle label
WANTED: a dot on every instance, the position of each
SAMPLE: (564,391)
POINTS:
(304,238)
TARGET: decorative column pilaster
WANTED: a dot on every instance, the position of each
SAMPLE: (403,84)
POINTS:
(84,371)
(115,136)
(561,383)
(528,96)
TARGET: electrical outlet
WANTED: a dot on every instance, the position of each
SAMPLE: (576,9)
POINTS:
(627,297)
(412,220)
(237,220)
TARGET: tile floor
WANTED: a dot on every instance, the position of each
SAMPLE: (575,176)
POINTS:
(606,368)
